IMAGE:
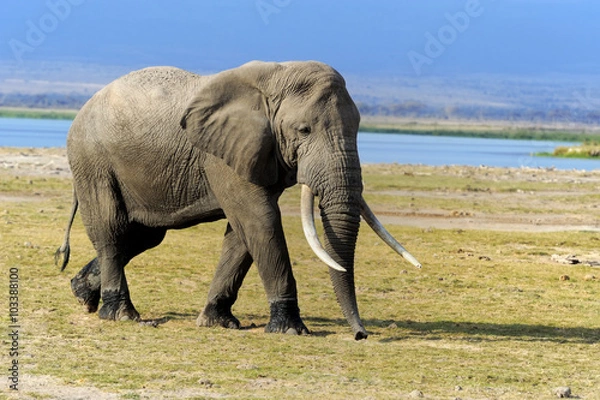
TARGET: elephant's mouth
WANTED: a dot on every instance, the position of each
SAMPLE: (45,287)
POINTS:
(310,231)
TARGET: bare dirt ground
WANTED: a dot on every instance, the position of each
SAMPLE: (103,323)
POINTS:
(51,162)
(505,221)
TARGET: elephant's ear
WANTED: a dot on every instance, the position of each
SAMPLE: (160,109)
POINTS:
(228,119)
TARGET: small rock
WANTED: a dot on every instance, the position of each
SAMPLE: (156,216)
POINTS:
(416,394)
(458,388)
(565,278)
(393,326)
(247,366)
(563,392)
(592,263)
(485,258)
(568,259)
(206,383)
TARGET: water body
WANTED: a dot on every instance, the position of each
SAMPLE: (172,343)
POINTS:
(440,150)
(373,147)
(25,132)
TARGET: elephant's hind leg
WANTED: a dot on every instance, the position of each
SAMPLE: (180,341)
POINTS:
(86,286)
(233,266)
(116,302)
(89,283)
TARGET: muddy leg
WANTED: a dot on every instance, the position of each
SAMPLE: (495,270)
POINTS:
(86,286)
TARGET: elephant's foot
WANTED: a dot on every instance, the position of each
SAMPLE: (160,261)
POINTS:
(117,307)
(285,318)
(86,286)
(215,315)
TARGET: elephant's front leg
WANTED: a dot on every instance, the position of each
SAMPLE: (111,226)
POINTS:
(275,270)
(269,249)
(272,259)
(233,266)
(254,217)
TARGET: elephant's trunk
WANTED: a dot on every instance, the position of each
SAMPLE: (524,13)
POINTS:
(341,221)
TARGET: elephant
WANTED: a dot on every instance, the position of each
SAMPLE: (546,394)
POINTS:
(163,148)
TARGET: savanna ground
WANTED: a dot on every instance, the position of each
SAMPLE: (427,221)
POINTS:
(490,316)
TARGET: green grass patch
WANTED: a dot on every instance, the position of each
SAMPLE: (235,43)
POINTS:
(487,312)
(38,113)
(588,150)
(479,132)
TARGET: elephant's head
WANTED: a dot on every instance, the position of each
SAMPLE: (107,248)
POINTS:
(276,124)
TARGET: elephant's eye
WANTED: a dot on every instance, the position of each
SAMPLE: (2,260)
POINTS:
(304,129)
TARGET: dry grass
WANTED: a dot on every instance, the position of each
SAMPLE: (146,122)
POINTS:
(487,313)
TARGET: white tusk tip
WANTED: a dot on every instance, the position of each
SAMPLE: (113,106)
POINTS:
(409,257)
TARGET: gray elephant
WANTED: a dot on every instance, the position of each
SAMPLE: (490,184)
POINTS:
(162,148)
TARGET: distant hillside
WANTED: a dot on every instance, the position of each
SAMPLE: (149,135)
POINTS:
(528,99)
(531,99)
(44,100)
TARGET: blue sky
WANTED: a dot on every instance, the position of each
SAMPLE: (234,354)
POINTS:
(435,37)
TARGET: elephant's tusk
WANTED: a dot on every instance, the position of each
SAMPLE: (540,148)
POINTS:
(307,202)
(387,237)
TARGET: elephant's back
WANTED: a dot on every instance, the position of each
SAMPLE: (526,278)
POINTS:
(150,92)
(135,117)
(153,80)
(142,102)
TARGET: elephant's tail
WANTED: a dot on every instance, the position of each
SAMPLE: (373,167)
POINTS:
(66,247)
